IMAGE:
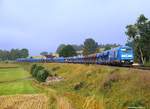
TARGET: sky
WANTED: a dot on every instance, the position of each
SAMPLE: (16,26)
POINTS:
(41,25)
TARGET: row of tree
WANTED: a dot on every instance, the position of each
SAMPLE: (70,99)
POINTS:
(76,47)
(13,54)
(80,47)
(139,39)
(90,46)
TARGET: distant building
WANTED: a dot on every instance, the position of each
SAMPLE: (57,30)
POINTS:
(79,53)
(55,54)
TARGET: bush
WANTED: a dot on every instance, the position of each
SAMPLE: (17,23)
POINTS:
(79,85)
(33,68)
(39,73)
(42,75)
(36,70)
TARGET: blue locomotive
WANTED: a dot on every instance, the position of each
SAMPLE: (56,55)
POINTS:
(116,56)
(122,55)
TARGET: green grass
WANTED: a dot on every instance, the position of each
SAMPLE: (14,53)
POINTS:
(10,74)
(14,80)
(19,87)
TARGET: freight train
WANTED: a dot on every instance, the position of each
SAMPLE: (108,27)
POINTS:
(122,55)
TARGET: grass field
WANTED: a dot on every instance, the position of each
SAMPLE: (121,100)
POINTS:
(102,87)
(10,74)
(19,87)
(17,90)
(83,87)
(15,80)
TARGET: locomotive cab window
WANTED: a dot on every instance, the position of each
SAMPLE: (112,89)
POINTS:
(126,50)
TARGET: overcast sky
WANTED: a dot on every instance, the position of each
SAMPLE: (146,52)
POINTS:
(41,25)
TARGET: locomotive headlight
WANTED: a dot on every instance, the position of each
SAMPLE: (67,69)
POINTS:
(122,61)
(126,56)
(123,56)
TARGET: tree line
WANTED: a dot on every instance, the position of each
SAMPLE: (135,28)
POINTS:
(89,46)
(13,54)
(81,46)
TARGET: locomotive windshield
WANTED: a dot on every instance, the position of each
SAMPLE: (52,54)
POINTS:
(126,50)
(126,53)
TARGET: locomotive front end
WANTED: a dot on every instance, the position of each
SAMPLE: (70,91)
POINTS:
(126,55)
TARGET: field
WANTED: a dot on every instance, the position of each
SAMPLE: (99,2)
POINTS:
(11,74)
(23,102)
(15,80)
(102,87)
(17,90)
(83,87)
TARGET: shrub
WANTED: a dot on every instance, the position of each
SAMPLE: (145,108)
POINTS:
(33,68)
(36,70)
(79,85)
(42,75)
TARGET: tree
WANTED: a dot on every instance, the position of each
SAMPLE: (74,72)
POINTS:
(39,73)
(107,48)
(139,35)
(77,47)
(67,51)
(13,54)
(24,53)
(60,47)
(36,70)
(44,53)
(42,75)
(130,44)
(90,46)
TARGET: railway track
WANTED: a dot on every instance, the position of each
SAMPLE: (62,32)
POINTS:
(135,67)
(141,67)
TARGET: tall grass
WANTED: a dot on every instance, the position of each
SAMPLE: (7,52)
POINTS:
(102,87)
